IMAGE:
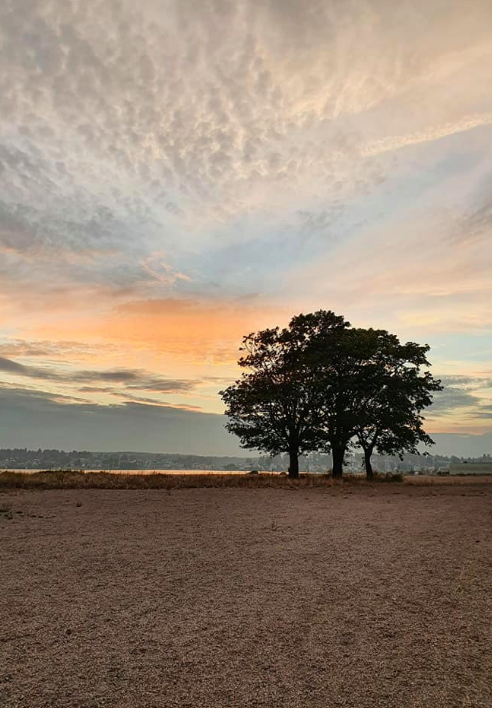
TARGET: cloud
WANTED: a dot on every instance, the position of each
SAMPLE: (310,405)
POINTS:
(12,367)
(54,349)
(131,379)
(39,419)
(156,121)
(127,398)
(202,329)
(175,174)
(475,225)
(440,131)
(462,396)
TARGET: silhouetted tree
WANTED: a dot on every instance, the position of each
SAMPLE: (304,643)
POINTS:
(320,384)
(394,391)
(276,406)
(326,348)
(336,356)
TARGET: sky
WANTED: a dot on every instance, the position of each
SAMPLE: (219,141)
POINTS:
(175,174)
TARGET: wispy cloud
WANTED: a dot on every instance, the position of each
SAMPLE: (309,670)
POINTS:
(464,398)
(132,379)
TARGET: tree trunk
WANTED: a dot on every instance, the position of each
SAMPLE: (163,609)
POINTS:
(294,464)
(367,462)
(337,456)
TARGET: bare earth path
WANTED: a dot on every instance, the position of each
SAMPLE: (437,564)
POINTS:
(212,598)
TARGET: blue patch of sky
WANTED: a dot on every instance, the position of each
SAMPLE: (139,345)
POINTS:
(459,346)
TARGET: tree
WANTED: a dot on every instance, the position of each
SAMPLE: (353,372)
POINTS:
(275,406)
(320,384)
(370,387)
(394,391)
(337,356)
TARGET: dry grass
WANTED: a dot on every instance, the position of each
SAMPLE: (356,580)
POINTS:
(108,480)
(113,480)
(423,480)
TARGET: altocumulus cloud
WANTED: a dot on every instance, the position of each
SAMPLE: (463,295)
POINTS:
(119,119)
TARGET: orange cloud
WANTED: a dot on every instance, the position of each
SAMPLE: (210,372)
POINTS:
(196,329)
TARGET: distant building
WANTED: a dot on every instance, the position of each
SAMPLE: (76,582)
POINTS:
(471,468)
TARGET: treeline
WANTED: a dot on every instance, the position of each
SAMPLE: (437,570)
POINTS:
(23,458)
(322,385)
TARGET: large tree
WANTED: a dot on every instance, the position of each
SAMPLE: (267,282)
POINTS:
(371,388)
(396,387)
(338,358)
(319,384)
(276,405)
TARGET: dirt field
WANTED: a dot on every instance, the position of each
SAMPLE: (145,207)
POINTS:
(206,598)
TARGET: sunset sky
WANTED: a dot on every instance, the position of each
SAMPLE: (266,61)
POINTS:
(177,173)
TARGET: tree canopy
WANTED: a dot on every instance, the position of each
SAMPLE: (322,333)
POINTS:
(276,406)
(394,390)
(320,384)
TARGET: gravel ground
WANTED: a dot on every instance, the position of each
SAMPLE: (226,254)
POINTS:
(363,597)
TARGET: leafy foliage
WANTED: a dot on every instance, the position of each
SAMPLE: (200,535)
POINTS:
(394,391)
(320,384)
(276,406)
